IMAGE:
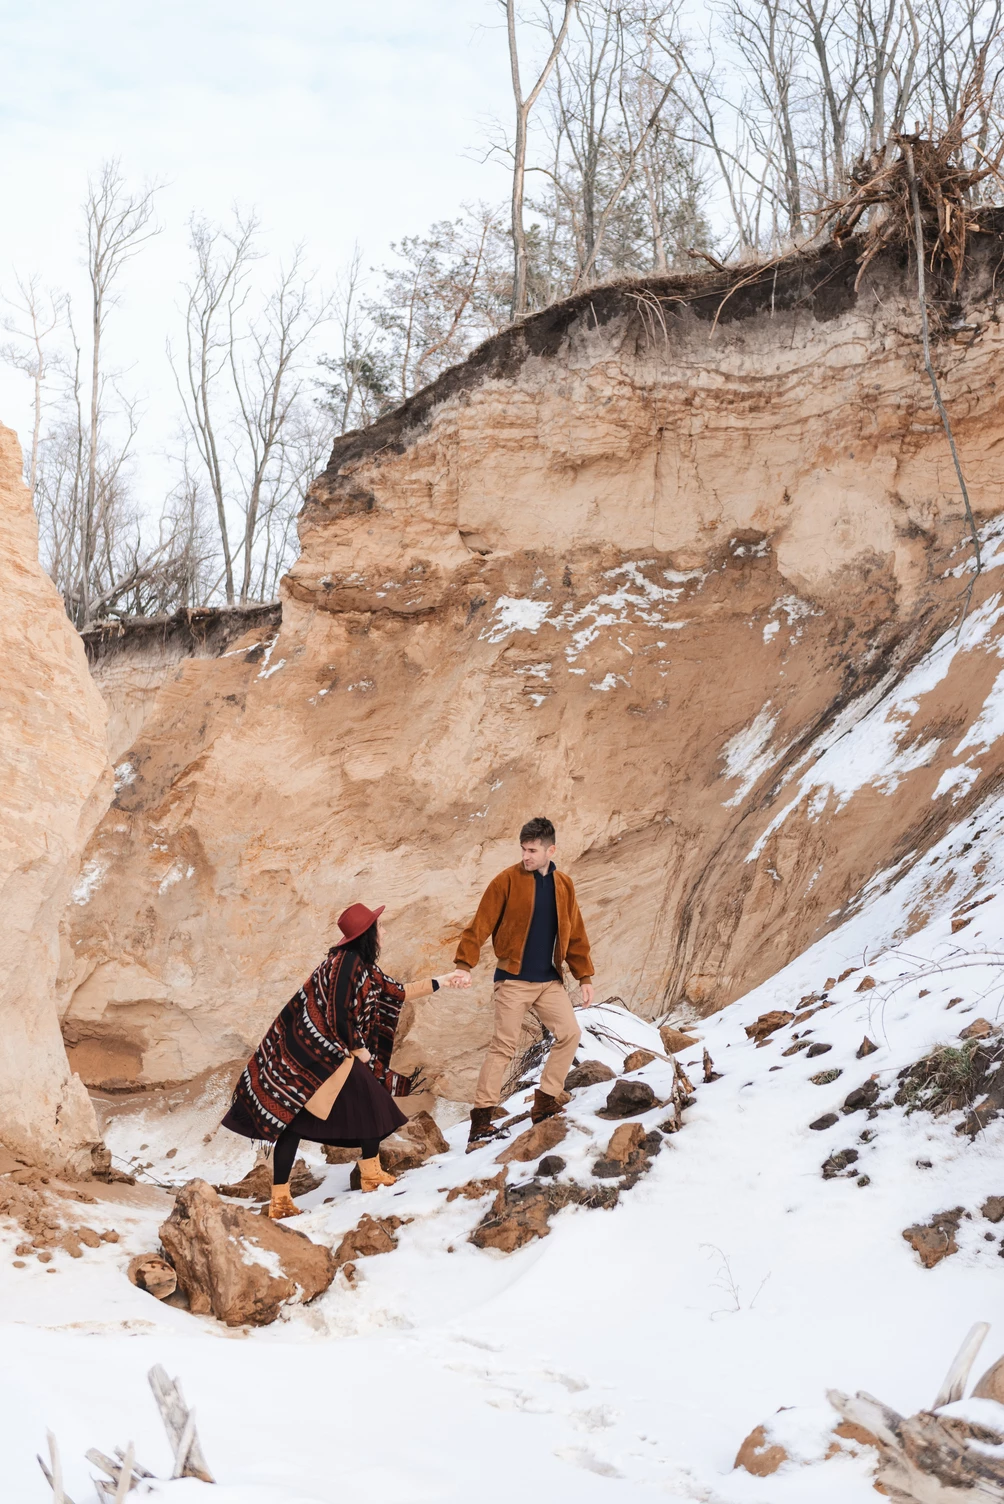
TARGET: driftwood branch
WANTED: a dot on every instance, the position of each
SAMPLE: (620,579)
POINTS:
(954,1386)
(179,1423)
(126,1475)
(933,1458)
(122,1474)
(54,1475)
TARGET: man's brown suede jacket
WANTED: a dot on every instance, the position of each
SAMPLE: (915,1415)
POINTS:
(505,912)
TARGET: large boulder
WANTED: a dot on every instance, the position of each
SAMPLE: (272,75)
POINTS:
(236,1265)
(414,1142)
(55,784)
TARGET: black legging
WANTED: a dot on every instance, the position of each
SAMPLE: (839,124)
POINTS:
(287,1144)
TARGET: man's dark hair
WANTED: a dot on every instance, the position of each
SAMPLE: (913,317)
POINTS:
(366,946)
(538,829)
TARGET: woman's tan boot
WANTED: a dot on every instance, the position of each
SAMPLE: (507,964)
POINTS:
(282,1204)
(372,1175)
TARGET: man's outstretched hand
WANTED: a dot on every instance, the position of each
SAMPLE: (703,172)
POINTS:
(458,978)
(587,994)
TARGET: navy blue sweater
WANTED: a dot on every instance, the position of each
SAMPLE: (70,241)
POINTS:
(538,953)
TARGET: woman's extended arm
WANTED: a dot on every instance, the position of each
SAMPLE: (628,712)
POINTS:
(426,989)
(398,993)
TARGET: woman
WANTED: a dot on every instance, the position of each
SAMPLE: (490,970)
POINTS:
(322,1072)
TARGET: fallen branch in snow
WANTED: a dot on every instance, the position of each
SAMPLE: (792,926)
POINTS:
(179,1423)
(931,1458)
(54,1476)
(124,1471)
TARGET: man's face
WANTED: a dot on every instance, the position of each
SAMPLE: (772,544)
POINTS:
(536,856)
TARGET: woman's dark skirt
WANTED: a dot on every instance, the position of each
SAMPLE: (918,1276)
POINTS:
(364,1108)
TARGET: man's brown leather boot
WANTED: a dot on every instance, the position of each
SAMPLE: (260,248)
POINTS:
(481,1127)
(545,1106)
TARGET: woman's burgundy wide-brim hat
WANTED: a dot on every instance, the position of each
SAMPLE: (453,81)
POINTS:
(355,921)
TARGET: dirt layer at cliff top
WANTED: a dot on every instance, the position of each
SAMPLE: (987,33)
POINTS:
(201,631)
(818,282)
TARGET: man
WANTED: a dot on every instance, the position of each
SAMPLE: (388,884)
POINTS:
(532,915)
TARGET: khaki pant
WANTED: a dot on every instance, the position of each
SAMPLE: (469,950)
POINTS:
(513,1000)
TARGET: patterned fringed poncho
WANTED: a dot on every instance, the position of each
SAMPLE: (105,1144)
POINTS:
(343,1006)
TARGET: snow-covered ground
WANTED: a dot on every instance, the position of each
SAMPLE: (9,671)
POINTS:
(626,1355)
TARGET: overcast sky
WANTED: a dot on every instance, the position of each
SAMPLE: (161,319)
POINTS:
(341,121)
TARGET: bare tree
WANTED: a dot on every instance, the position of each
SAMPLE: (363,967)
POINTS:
(764,32)
(90,536)
(446,292)
(241,379)
(359,388)
(119,222)
(524,106)
(269,380)
(607,104)
(214,299)
(35,317)
(305,448)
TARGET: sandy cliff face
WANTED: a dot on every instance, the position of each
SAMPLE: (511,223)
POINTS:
(54,786)
(620,569)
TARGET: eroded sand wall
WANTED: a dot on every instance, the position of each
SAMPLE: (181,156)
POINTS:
(619,570)
(55,783)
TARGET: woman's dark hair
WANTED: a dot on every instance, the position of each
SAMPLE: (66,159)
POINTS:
(366,946)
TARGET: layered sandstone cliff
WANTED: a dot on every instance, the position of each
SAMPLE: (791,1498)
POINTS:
(55,784)
(626,567)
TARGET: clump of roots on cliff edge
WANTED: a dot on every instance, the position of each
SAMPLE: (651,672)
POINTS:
(922,192)
(941,173)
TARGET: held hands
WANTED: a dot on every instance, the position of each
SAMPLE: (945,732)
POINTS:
(458,978)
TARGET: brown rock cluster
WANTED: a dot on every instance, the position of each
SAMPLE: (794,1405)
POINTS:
(523,1212)
(236,1265)
(370,1236)
(44,1215)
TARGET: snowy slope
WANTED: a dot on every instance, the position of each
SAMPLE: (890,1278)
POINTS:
(626,1355)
